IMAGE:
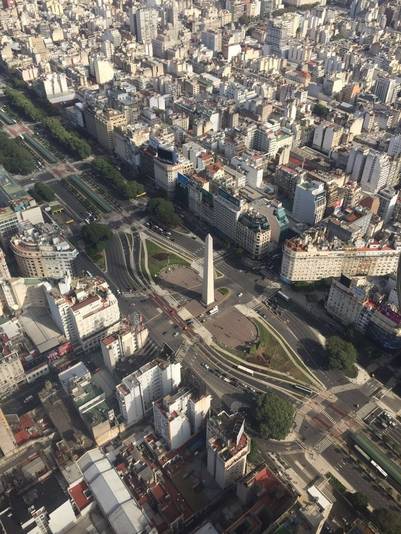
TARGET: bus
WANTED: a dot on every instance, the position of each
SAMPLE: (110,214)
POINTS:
(245,369)
(283,296)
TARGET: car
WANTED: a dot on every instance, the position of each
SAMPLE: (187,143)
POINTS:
(239,295)
(175,334)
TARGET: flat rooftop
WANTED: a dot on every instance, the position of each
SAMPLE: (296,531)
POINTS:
(41,329)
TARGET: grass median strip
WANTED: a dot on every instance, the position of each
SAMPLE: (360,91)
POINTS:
(160,258)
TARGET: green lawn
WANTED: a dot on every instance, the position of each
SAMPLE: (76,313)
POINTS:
(159,258)
(223,291)
(270,352)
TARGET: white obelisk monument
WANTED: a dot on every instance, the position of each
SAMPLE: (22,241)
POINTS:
(208,273)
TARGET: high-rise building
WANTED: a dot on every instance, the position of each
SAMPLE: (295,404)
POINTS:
(327,136)
(137,391)
(178,417)
(309,202)
(166,172)
(104,71)
(4,272)
(85,310)
(42,251)
(7,440)
(123,343)
(347,299)
(386,90)
(208,273)
(227,448)
(144,24)
(375,172)
(105,123)
(388,199)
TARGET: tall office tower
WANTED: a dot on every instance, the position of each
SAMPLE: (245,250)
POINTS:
(208,273)
(7,441)
(388,199)
(309,202)
(376,172)
(149,383)
(42,251)
(386,90)
(227,448)
(144,24)
(172,14)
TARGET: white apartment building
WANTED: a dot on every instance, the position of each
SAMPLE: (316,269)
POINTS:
(104,71)
(374,170)
(85,310)
(309,202)
(347,301)
(137,391)
(227,448)
(123,344)
(12,373)
(56,88)
(41,251)
(305,259)
(253,233)
(178,417)
(166,173)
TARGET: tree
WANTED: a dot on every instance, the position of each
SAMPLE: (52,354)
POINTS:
(70,140)
(163,211)
(43,191)
(358,500)
(274,416)
(341,354)
(14,157)
(320,110)
(388,521)
(96,237)
(111,177)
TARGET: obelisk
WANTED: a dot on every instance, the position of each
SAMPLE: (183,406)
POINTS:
(208,273)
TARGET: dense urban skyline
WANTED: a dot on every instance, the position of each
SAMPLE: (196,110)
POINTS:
(200,231)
